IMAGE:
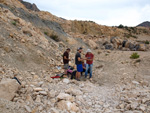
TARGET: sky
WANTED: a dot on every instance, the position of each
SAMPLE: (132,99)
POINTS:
(104,12)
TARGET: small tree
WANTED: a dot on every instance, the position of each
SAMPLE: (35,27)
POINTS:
(120,26)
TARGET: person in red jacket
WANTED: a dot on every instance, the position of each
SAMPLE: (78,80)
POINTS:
(89,63)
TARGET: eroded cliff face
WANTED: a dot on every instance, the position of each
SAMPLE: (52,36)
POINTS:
(31,48)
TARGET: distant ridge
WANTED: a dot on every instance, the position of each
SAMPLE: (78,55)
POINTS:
(29,5)
(144,24)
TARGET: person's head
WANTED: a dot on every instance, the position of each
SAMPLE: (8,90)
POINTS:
(89,51)
(68,50)
(80,49)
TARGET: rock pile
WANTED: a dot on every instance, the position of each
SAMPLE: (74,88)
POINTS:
(135,97)
(118,43)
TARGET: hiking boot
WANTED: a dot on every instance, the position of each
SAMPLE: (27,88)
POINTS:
(78,79)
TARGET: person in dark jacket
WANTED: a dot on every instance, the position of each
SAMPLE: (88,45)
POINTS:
(66,60)
(78,62)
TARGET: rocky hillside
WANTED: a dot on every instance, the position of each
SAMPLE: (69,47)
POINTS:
(144,24)
(29,5)
(31,46)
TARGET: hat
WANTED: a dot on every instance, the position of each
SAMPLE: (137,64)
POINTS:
(88,50)
(79,48)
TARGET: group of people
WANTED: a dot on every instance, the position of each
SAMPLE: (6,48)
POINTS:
(79,61)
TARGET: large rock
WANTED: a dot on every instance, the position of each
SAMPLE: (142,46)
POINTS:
(64,96)
(92,44)
(74,91)
(8,87)
(142,47)
(116,41)
(67,105)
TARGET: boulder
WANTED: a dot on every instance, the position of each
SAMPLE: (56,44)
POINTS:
(65,80)
(64,96)
(74,91)
(142,47)
(8,87)
(109,46)
(38,89)
(92,44)
(67,105)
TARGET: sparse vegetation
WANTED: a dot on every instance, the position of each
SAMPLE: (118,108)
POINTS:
(134,56)
(120,26)
(46,33)
(146,42)
(54,37)
(14,23)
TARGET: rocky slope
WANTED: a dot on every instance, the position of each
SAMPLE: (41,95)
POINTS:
(31,48)
(29,5)
(144,24)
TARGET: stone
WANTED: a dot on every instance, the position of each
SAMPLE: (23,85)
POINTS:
(52,94)
(38,99)
(64,96)
(92,44)
(65,80)
(142,47)
(32,73)
(40,108)
(36,77)
(67,105)
(109,46)
(128,106)
(43,92)
(38,89)
(49,79)
(28,108)
(8,87)
(29,98)
(54,110)
(23,83)
(74,91)
(135,82)
(121,106)
(7,49)
(134,105)
(40,84)
(143,107)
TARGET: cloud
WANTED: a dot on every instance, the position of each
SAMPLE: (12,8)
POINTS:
(105,12)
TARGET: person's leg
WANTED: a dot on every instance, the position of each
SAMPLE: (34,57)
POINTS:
(86,71)
(79,69)
(77,73)
(65,68)
(91,66)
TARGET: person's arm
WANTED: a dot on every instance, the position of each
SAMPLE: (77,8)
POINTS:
(91,59)
(79,59)
(66,58)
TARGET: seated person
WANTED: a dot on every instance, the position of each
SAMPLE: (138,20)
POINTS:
(84,68)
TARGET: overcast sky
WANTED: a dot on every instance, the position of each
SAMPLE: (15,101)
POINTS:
(104,12)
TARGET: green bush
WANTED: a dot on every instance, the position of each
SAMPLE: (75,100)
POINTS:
(46,33)
(146,42)
(54,37)
(134,56)
(120,26)
(14,23)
